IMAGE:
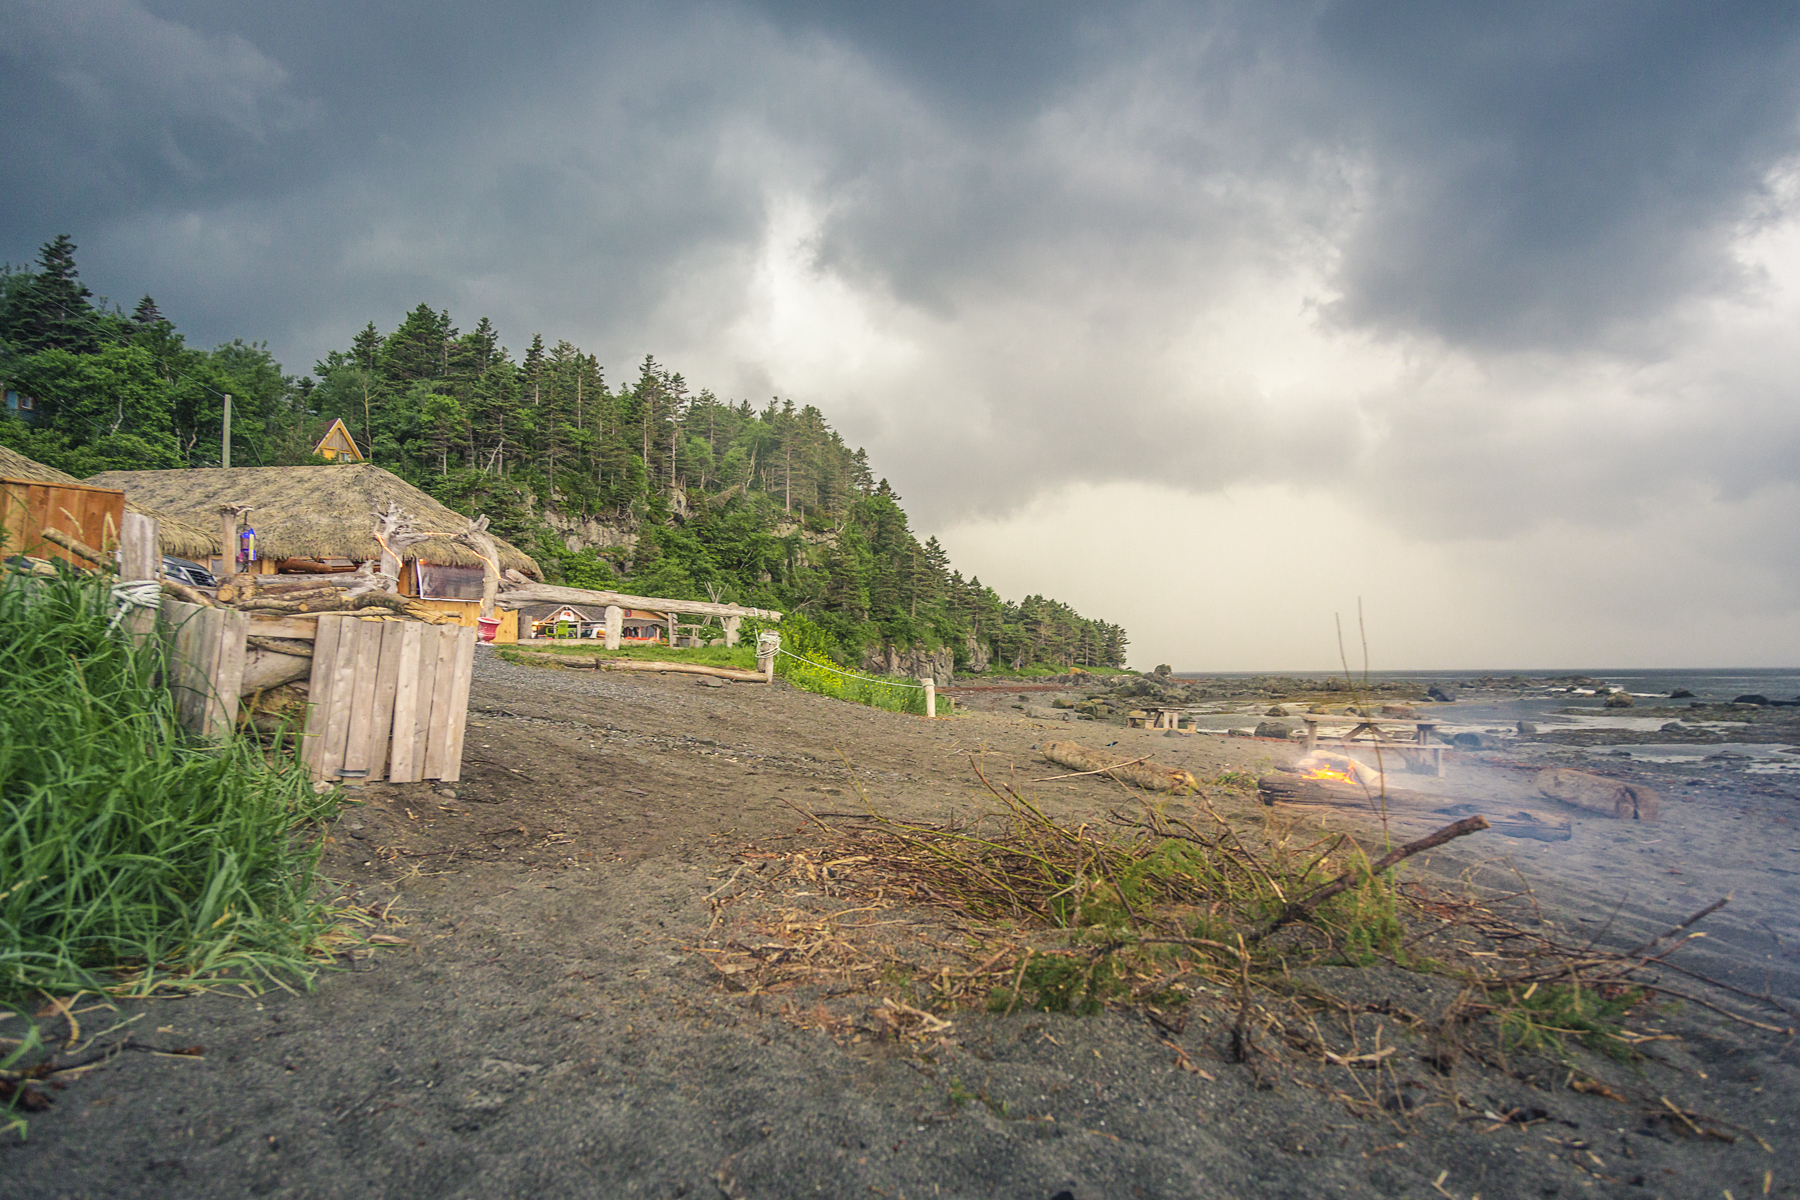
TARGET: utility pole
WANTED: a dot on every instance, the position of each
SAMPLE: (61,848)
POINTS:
(225,441)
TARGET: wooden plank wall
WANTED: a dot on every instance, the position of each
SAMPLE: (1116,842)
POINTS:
(28,507)
(206,664)
(388,699)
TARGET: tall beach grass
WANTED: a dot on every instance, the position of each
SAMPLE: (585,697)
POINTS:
(132,857)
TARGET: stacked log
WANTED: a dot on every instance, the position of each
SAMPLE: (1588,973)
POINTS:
(274,666)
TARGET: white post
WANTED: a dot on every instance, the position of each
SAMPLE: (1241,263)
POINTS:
(615,626)
(930,695)
(225,439)
(731,630)
(767,643)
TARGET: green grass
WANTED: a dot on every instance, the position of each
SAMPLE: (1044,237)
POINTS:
(133,858)
(814,673)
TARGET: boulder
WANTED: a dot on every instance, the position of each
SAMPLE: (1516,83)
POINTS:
(1275,710)
(1405,712)
(1275,729)
(1466,741)
(1620,700)
(1674,727)
(1527,729)
(1442,695)
(1680,694)
(1163,669)
(1597,794)
(1752,699)
(1038,712)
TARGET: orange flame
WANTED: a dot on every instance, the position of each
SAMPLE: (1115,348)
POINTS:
(1328,773)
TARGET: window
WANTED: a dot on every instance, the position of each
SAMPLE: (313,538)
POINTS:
(440,581)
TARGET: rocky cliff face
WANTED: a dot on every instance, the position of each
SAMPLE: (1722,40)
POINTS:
(915,663)
(587,533)
(976,653)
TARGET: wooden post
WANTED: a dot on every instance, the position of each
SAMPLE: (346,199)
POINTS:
(140,551)
(615,626)
(930,686)
(767,644)
(731,629)
(228,533)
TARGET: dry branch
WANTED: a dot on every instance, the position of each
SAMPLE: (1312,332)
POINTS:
(1306,904)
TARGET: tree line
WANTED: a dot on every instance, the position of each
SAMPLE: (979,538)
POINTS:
(704,498)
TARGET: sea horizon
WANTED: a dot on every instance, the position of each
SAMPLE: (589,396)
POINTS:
(1705,683)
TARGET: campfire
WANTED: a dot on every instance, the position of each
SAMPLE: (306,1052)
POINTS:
(1336,768)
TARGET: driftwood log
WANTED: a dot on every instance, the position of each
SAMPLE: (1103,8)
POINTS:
(588,663)
(1152,776)
(1597,794)
(632,664)
(1403,811)
(75,545)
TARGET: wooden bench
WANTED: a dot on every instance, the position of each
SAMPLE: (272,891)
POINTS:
(1417,751)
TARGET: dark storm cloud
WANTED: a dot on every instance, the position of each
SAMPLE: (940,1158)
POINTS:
(1531,175)
(1047,201)
(1545,172)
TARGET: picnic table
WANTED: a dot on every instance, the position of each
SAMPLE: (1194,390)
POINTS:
(1418,750)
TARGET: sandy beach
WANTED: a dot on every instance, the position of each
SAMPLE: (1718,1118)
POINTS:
(551,1017)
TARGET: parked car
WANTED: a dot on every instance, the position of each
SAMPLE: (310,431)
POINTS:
(191,573)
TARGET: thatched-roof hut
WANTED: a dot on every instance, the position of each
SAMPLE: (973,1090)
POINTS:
(182,538)
(310,512)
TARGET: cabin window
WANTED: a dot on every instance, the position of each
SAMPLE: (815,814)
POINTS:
(440,581)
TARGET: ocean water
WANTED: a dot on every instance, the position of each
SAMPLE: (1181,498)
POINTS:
(1713,684)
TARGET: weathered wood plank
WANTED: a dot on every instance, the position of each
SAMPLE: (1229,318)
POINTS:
(403,764)
(318,707)
(428,668)
(359,743)
(459,706)
(438,733)
(226,683)
(387,683)
(343,681)
(283,626)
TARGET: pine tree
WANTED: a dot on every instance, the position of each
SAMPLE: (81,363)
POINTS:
(51,311)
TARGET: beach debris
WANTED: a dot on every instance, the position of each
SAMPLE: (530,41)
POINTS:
(1152,776)
(1598,794)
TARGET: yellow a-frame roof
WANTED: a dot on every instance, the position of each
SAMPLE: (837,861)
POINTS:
(337,443)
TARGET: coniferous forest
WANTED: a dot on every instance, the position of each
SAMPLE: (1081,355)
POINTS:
(640,483)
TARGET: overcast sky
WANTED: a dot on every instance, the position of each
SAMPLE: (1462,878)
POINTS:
(1205,318)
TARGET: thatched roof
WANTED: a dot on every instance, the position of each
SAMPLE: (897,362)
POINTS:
(184,539)
(310,512)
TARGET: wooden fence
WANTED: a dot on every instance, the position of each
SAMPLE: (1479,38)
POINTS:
(29,506)
(387,699)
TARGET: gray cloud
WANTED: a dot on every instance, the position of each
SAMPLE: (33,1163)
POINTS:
(1455,264)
